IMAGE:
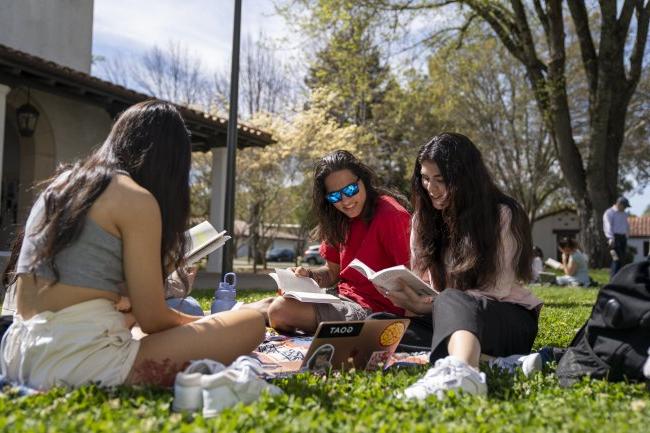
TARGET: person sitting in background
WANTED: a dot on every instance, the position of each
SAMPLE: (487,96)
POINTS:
(574,264)
(538,264)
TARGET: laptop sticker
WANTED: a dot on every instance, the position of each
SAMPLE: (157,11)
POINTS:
(378,360)
(391,334)
(321,360)
(340,330)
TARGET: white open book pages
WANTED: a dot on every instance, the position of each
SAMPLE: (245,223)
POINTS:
(392,278)
(301,288)
(553,263)
(204,239)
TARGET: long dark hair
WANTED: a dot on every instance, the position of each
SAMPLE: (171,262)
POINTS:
(460,244)
(150,142)
(9,274)
(568,242)
(333,225)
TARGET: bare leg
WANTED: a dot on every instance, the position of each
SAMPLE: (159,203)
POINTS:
(289,315)
(261,306)
(222,337)
(465,346)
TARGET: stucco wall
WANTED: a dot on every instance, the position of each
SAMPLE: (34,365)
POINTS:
(57,30)
(543,231)
(638,244)
(67,130)
(76,127)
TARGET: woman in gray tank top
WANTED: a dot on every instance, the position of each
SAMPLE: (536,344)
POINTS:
(112,226)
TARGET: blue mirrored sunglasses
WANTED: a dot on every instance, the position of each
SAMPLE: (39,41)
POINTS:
(349,190)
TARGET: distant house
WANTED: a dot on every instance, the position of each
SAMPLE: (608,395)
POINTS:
(281,239)
(551,227)
(639,237)
(45,58)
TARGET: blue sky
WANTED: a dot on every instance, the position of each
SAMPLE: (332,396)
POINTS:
(127,28)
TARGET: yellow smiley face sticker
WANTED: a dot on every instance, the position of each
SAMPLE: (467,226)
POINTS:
(392,334)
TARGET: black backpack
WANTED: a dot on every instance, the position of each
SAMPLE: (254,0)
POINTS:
(614,342)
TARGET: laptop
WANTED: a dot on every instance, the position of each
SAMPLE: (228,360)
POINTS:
(363,345)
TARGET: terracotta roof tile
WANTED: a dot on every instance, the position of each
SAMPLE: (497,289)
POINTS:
(639,226)
(13,61)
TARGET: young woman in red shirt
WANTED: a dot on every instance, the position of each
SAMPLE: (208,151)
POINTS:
(356,219)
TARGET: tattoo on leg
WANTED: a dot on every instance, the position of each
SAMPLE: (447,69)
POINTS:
(154,372)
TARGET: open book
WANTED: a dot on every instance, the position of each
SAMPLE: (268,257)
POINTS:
(553,263)
(392,278)
(302,289)
(204,239)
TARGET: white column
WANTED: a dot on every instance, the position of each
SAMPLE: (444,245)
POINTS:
(217,202)
(4,90)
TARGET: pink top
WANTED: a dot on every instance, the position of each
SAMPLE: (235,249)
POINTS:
(506,288)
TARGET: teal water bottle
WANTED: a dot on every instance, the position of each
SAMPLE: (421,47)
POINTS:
(224,296)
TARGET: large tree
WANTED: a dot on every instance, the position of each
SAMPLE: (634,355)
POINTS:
(612,39)
(265,81)
(482,91)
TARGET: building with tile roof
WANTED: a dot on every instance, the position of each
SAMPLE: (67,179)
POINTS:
(45,59)
(639,238)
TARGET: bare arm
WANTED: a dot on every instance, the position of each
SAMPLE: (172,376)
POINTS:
(569,265)
(325,276)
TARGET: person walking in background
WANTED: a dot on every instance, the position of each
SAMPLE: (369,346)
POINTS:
(616,229)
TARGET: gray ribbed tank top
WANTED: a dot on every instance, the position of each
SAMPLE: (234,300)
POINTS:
(93,260)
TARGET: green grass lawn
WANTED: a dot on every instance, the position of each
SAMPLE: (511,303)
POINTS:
(364,402)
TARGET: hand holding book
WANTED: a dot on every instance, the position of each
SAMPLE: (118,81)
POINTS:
(413,303)
(553,263)
(303,289)
(394,279)
(203,240)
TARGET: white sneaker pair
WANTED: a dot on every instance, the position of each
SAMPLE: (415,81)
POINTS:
(447,374)
(211,387)
(529,364)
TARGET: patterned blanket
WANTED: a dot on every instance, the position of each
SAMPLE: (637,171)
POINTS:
(281,354)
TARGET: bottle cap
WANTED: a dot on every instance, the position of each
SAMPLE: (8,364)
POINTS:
(229,281)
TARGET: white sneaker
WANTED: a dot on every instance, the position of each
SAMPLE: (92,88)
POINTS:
(241,382)
(447,374)
(646,367)
(188,395)
(528,363)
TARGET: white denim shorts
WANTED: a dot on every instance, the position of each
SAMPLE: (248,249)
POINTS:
(84,343)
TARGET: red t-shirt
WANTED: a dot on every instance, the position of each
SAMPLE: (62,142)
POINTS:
(381,244)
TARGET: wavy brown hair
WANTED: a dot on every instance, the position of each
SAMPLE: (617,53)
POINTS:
(150,142)
(333,225)
(460,244)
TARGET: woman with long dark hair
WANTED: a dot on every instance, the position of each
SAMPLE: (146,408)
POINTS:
(356,219)
(574,264)
(113,225)
(473,243)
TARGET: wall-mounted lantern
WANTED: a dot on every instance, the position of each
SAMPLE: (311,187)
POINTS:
(27,118)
